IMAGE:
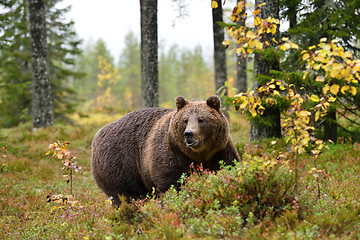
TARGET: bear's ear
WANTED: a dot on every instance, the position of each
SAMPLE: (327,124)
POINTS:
(180,102)
(214,102)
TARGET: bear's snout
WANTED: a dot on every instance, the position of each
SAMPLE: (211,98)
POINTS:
(188,134)
(190,140)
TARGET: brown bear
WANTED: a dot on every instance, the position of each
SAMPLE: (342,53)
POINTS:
(152,147)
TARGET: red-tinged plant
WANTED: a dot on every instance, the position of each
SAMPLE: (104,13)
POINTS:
(3,156)
(69,165)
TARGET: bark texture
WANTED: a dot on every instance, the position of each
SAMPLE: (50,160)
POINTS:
(219,50)
(270,126)
(42,110)
(330,126)
(149,53)
(241,78)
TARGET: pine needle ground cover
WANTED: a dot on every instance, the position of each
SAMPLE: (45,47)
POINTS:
(256,199)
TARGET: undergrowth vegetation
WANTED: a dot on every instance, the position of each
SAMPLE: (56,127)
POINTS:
(255,199)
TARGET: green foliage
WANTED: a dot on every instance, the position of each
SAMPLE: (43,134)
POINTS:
(257,197)
(181,72)
(208,206)
(330,19)
(219,205)
(325,73)
(129,66)
(15,62)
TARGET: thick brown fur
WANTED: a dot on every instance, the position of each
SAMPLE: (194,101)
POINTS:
(152,147)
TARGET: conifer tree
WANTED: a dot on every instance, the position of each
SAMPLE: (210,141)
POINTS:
(312,20)
(15,61)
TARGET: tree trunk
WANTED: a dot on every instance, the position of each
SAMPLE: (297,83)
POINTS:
(270,126)
(42,111)
(241,78)
(219,50)
(149,53)
(330,126)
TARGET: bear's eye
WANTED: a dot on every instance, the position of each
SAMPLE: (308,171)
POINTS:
(185,121)
(201,120)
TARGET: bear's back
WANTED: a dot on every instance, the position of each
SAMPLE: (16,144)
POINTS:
(131,129)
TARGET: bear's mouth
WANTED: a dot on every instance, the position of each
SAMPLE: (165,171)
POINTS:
(191,144)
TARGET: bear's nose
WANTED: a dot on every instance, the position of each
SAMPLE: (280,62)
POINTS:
(188,134)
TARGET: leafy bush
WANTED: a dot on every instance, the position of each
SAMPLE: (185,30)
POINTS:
(218,204)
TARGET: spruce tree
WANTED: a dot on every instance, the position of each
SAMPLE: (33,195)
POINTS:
(15,61)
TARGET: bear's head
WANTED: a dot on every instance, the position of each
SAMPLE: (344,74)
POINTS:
(199,129)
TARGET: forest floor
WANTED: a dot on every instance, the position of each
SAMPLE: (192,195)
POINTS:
(242,202)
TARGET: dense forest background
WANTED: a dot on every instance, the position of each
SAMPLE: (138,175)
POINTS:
(109,85)
(84,74)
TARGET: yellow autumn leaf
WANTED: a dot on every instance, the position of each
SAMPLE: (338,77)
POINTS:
(334,89)
(283,47)
(348,54)
(276,92)
(323,39)
(269,101)
(256,12)
(250,34)
(304,113)
(353,90)
(253,112)
(317,116)
(261,110)
(243,105)
(357,75)
(325,89)
(336,69)
(214,4)
(331,99)
(305,57)
(294,45)
(234,17)
(257,21)
(305,75)
(258,45)
(240,50)
(226,42)
(344,89)
(250,50)
(314,98)
(273,29)
(319,79)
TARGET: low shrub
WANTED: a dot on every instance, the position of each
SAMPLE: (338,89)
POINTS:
(219,204)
